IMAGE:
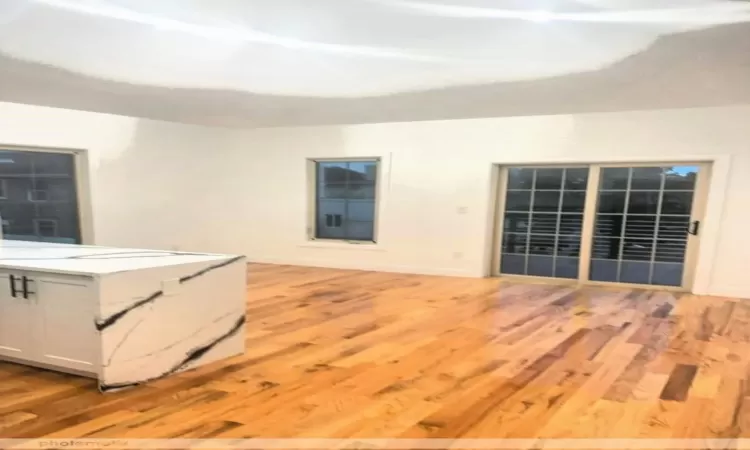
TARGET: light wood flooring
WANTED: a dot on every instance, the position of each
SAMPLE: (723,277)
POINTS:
(334,353)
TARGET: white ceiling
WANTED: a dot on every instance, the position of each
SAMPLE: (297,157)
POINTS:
(319,55)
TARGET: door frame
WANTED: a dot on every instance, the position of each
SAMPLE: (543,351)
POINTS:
(698,210)
(82,183)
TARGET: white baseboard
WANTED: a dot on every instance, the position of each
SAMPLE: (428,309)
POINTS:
(726,291)
(450,272)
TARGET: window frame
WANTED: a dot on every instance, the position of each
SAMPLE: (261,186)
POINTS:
(82,182)
(313,199)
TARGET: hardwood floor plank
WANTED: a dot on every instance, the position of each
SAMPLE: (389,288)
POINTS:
(679,383)
(343,353)
(14,418)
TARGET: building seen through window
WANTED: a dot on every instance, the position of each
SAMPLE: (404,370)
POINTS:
(345,193)
(38,199)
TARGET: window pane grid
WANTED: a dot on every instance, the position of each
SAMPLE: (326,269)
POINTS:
(659,207)
(556,243)
(622,230)
(543,221)
(527,250)
(640,230)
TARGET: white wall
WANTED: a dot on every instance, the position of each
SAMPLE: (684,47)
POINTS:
(432,171)
(147,178)
(163,185)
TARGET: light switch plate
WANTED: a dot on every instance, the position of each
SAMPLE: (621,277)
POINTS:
(171,286)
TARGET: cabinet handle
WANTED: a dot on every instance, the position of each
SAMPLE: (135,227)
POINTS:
(13,290)
(25,283)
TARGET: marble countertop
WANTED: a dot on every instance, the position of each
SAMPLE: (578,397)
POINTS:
(91,260)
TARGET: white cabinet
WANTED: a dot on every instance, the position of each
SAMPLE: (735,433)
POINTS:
(64,317)
(15,319)
(48,320)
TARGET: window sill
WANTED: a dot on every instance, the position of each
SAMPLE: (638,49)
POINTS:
(343,245)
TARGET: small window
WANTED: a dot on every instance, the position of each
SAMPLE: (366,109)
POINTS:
(3,189)
(345,193)
(45,227)
(334,220)
(38,195)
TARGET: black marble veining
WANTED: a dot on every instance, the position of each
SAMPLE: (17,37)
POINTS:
(193,355)
(104,323)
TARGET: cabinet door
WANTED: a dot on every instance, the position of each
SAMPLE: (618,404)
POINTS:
(65,332)
(15,321)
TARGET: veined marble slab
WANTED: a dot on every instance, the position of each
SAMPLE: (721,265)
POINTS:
(149,313)
(149,332)
(89,259)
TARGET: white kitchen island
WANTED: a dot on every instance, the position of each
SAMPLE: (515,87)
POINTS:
(122,316)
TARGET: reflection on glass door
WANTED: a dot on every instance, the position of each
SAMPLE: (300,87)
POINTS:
(543,221)
(643,217)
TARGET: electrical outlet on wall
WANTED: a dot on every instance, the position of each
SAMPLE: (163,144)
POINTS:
(462,209)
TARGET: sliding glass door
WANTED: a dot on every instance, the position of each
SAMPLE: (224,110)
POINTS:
(631,224)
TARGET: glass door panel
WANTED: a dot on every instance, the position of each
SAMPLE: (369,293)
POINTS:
(543,221)
(640,233)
